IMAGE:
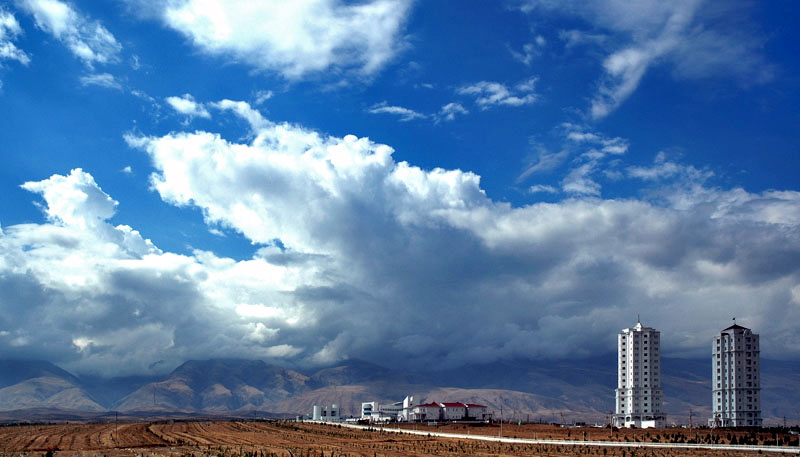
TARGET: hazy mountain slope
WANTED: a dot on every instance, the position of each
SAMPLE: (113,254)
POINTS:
(109,392)
(217,385)
(47,392)
(581,390)
(16,371)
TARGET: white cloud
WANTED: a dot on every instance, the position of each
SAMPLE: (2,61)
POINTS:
(601,146)
(88,40)
(295,38)
(346,235)
(449,111)
(488,93)
(74,200)
(262,96)
(405,114)
(544,160)
(699,38)
(98,297)
(573,38)
(106,80)
(382,235)
(542,188)
(663,168)
(9,31)
(187,106)
(592,153)
(529,51)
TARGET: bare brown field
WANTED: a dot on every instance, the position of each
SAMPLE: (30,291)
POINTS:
(666,435)
(290,439)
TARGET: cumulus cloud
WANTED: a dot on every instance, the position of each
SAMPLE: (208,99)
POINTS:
(187,106)
(74,200)
(431,250)
(360,255)
(488,93)
(101,298)
(88,40)
(698,38)
(296,38)
(405,114)
(9,31)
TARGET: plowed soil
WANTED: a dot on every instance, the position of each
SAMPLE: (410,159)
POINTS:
(267,439)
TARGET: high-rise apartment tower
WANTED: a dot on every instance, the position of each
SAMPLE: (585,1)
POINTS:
(735,358)
(639,379)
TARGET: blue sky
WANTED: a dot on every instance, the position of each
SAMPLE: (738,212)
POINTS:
(443,182)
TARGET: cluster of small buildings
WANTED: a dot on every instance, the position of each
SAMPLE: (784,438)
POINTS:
(736,379)
(407,411)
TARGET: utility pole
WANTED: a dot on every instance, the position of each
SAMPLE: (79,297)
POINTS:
(501,421)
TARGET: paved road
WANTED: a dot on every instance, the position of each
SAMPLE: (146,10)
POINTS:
(718,447)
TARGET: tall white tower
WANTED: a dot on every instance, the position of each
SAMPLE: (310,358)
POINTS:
(735,358)
(639,379)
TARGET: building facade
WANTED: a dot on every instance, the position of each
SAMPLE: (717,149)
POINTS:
(449,412)
(325,413)
(375,412)
(639,393)
(735,358)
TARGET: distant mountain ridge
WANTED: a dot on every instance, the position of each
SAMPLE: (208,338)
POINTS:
(217,385)
(525,390)
(38,384)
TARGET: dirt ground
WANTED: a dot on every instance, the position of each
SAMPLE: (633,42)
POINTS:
(290,439)
(666,435)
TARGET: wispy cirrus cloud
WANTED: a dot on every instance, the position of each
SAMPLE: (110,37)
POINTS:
(449,111)
(696,38)
(542,188)
(9,31)
(488,94)
(405,114)
(584,150)
(663,168)
(106,80)
(88,40)
(530,51)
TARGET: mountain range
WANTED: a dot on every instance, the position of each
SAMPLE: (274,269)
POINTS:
(551,391)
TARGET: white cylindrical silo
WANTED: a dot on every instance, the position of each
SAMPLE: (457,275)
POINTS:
(317,414)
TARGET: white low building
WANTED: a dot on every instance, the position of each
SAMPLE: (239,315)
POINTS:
(449,412)
(426,412)
(326,413)
(375,412)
